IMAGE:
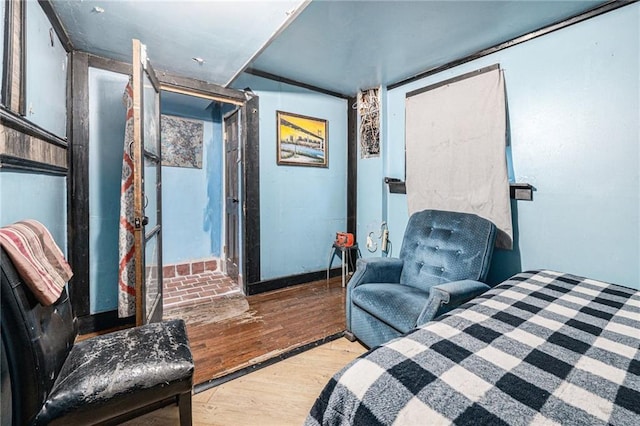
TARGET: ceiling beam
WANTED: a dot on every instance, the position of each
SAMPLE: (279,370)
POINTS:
(285,80)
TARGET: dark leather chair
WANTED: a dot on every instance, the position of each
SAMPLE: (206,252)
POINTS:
(443,260)
(49,378)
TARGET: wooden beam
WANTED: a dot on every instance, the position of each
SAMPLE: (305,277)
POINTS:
(7,60)
(269,76)
(17,163)
(251,191)
(195,87)
(109,64)
(138,164)
(176,84)
(78,185)
(189,92)
(17,122)
(352,167)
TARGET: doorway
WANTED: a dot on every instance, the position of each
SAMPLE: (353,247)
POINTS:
(96,148)
(196,188)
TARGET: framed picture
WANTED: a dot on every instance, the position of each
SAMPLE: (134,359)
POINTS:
(302,141)
(181,141)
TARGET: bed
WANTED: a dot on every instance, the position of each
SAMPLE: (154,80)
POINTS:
(541,348)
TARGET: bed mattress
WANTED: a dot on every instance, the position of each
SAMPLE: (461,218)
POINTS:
(541,348)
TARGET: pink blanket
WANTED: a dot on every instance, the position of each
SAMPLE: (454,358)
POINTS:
(37,258)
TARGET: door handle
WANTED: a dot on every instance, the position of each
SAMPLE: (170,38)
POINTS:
(235,200)
(138,223)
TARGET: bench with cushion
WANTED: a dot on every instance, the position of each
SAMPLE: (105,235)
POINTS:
(49,378)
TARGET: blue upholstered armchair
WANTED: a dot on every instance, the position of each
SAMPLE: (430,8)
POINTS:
(444,258)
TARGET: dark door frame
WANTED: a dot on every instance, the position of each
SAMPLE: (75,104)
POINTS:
(250,192)
(78,177)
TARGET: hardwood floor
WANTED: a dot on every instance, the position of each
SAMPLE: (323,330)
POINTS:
(281,394)
(261,327)
(238,334)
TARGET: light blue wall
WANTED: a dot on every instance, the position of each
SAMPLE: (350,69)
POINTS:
(573,101)
(35,196)
(301,208)
(373,196)
(46,78)
(106,145)
(192,198)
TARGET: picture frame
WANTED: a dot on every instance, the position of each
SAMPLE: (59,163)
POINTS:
(182,141)
(301,140)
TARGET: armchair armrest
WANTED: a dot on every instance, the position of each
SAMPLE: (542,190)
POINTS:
(372,270)
(376,270)
(448,296)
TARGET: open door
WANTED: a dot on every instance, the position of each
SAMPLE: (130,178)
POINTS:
(232,196)
(147,188)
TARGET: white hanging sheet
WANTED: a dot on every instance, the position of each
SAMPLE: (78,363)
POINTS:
(455,150)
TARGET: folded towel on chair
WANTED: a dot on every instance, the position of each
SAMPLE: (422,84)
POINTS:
(37,258)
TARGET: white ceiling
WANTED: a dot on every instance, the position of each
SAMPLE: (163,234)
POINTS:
(347,46)
(342,46)
(225,34)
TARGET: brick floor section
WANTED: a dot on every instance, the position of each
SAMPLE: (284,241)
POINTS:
(197,288)
(188,268)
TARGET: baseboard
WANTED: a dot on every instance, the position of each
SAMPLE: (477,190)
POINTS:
(291,280)
(103,321)
(107,320)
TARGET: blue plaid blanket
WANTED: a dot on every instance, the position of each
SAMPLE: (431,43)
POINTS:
(541,348)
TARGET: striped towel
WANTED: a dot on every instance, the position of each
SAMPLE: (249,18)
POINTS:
(37,258)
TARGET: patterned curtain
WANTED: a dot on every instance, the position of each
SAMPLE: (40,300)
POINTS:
(126,270)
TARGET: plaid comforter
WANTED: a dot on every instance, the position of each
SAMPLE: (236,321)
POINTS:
(541,348)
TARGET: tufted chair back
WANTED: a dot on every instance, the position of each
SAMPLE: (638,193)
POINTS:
(441,246)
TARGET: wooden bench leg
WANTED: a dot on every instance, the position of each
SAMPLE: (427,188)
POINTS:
(184,408)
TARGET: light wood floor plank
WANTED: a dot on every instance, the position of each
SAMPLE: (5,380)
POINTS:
(229,335)
(281,394)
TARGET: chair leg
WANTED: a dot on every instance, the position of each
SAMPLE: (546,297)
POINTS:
(349,336)
(184,408)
